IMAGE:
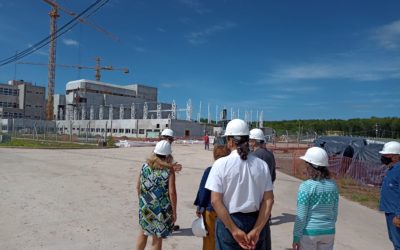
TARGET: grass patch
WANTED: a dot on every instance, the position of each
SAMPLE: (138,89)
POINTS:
(365,195)
(29,143)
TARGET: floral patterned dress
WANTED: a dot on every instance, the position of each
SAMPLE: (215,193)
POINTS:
(155,210)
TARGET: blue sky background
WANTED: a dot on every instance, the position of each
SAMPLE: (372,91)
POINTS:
(290,59)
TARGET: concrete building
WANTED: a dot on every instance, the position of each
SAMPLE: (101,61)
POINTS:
(19,99)
(96,109)
(94,100)
(130,128)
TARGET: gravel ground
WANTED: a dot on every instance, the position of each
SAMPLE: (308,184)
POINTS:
(85,199)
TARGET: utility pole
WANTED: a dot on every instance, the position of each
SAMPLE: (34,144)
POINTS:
(376,130)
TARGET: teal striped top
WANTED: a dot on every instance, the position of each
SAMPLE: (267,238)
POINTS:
(317,208)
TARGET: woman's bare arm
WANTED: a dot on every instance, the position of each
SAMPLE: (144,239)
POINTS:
(172,193)
(138,185)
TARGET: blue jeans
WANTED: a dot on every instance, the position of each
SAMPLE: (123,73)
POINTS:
(394,232)
(224,239)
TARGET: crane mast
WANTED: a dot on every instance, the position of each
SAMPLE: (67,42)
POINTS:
(52,64)
(52,52)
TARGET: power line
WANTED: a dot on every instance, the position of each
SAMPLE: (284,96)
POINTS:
(65,28)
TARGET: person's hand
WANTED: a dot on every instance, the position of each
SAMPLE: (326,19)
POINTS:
(198,214)
(177,167)
(241,238)
(296,246)
(253,237)
(396,221)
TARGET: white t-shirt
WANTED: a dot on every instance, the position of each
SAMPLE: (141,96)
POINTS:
(242,183)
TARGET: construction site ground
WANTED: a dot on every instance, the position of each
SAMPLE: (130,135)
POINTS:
(86,199)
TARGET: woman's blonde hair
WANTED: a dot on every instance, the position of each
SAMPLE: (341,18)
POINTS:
(159,161)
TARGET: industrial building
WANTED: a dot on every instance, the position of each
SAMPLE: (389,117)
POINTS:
(93,108)
(20,99)
(103,109)
(94,100)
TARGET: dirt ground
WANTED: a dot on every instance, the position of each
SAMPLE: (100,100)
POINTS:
(85,199)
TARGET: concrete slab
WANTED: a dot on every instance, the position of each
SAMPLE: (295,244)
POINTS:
(86,199)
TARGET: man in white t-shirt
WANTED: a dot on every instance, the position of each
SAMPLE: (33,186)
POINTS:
(242,193)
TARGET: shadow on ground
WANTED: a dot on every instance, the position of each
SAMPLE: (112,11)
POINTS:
(183,232)
(284,218)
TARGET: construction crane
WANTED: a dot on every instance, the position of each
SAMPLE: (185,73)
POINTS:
(52,60)
(98,68)
(52,51)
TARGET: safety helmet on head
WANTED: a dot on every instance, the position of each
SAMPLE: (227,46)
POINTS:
(236,127)
(198,227)
(316,156)
(257,134)
(167,132)
(391,148)
(163,148)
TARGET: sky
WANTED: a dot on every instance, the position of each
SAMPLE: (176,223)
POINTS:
(309,59)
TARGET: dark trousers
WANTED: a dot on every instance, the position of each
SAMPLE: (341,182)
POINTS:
(268,244)
(244,221)
(394,232)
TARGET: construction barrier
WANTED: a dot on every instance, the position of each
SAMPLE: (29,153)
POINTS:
(363,173)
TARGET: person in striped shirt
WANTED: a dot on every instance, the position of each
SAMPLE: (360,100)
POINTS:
(317,205)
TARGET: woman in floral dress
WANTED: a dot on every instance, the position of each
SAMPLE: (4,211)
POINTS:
(157,197)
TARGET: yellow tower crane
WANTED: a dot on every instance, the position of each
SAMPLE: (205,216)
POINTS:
(52,52)
(98,68)
(52,60)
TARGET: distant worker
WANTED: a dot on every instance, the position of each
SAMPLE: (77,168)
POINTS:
(317,205)
(390,191)
(157,198)
(242,193)
(168,135)
(203,202)
(258,146)
(206,142)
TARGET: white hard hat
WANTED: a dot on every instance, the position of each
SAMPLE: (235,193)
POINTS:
(236,127)
(167,132)
(163,148)
(391,148)
(316,156)
(198,227)
(257,134)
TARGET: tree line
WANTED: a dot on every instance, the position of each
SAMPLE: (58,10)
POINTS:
(387,127)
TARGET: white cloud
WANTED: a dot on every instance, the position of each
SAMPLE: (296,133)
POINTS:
(161,30)
(41,52)
(200,37)
(276,96)
(168,85)
(388,36)
(357,70)
(70,42)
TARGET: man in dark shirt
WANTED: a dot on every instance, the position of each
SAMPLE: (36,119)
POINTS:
(257,143)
